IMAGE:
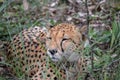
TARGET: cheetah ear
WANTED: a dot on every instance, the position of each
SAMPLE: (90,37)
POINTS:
(83,31)
(49,26)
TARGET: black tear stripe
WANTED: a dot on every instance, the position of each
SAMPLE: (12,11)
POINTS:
(64,40)
(61,45)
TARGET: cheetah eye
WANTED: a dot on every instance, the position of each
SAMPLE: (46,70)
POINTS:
(49,38)
(65,39)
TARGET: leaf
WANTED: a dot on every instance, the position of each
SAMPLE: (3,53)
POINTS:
(25,5)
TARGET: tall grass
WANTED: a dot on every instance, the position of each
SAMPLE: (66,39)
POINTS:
(105,66)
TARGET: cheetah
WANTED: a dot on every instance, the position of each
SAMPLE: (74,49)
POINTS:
(63,39)
(36,51)
(64,43)
(26,54)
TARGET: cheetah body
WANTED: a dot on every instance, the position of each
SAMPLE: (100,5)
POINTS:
(29,51)
(27,55)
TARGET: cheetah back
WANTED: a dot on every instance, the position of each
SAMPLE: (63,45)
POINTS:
(27,54)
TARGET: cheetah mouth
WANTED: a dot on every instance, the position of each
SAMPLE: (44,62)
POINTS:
(55,59)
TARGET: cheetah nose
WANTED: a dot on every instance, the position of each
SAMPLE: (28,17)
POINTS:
(53,51)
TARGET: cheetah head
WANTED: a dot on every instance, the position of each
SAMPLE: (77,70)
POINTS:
(62,39)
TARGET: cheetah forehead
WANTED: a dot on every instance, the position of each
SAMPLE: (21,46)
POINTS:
(65,27)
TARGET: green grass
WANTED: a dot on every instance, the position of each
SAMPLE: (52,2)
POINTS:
(105,56)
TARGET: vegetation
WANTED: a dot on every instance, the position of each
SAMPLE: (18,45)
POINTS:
(103,34)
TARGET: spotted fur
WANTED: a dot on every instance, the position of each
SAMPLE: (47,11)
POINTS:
(26,54)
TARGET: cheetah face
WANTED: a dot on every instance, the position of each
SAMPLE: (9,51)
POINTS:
(61,39)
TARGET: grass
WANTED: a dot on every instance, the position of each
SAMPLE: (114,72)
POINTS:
(106,56)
